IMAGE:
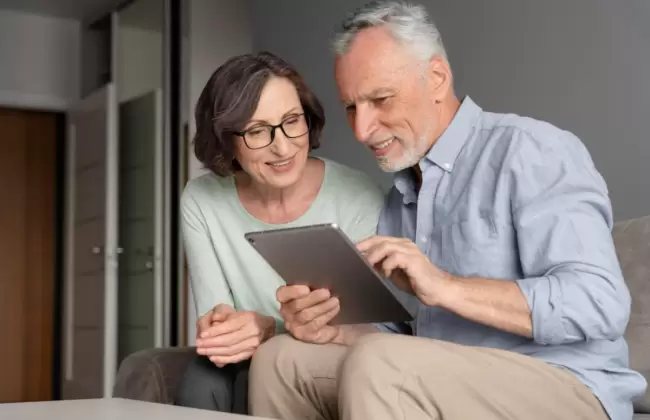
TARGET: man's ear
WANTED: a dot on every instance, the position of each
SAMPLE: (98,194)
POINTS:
(440,78)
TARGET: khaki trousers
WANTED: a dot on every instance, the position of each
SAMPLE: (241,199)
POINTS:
(387,376)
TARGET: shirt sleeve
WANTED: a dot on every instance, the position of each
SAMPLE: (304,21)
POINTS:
(209,286)
(563,218)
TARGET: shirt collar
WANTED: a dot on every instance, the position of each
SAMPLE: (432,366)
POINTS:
(445,150)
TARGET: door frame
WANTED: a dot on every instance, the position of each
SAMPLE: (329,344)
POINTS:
(101,96)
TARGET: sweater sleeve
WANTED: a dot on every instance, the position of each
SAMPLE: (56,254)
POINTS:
(209,285)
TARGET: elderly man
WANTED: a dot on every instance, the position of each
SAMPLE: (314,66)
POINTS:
(497,230)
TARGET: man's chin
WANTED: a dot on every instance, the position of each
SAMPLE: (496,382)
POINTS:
(390,167)
(395,165)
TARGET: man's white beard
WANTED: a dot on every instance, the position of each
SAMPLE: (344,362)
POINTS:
(410,157)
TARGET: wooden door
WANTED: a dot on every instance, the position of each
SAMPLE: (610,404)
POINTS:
(27,253)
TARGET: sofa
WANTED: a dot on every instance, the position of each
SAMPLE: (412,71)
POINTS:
(152,375)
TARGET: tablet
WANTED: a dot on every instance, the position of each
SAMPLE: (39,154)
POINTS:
(322,256)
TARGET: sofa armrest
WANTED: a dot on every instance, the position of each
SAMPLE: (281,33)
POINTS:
(153,375)
(632,239)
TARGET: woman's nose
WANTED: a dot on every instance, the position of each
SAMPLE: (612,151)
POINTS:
(280,143)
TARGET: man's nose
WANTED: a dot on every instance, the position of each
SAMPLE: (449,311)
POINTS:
(365,122)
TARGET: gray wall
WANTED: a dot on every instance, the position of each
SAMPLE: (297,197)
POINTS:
(39,61)
(582,65)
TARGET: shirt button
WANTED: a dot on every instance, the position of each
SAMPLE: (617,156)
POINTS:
(423,239)
(446,166)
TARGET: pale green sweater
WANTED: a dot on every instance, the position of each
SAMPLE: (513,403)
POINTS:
(223,266)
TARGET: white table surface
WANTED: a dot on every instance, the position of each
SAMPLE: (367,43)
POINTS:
(108,409)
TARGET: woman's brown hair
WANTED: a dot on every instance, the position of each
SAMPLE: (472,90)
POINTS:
(229,100)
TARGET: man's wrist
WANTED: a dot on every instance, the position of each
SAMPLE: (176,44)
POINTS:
(446,293)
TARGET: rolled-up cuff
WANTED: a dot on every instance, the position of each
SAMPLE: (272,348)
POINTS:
(544,298)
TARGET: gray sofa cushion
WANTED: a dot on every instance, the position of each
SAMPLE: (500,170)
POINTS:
(153,374)
(632,239)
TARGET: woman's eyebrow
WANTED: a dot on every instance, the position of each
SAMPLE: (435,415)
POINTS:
(291,111)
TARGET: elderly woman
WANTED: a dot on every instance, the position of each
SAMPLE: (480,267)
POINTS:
(257,123)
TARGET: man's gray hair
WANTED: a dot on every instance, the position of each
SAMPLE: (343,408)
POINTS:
(408,24)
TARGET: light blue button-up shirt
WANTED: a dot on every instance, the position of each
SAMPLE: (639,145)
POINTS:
(508,197)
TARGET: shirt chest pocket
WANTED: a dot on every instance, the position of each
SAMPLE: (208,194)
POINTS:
(478,247)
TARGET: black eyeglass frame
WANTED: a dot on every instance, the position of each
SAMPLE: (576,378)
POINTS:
(242,134)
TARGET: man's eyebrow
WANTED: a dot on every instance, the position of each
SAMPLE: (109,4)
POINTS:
(379,92)
(371,95)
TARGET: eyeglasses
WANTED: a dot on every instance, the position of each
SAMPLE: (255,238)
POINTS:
(260,136)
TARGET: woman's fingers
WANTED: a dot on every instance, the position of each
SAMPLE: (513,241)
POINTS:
(248,344)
